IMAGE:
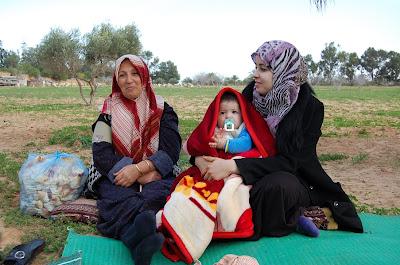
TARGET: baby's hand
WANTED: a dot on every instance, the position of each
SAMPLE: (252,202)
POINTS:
(221,143)
(217,142)
(212,144)
(219,133)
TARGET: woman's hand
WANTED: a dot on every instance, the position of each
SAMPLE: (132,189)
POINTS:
(219,168)
(126,176)
(202,164)
(149,177)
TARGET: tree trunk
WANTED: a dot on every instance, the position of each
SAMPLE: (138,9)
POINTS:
(81,91)
(93,88)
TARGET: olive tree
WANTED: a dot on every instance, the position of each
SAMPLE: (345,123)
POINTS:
(151,61)
(329,61)
(60,53)
(393,66)
(348,65)
(312,67)
(103,45)
(372,61)
(30,63)
(167,72)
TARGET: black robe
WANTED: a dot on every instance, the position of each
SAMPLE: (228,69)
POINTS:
(294,178)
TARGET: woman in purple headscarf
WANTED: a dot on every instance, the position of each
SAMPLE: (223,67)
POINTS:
(290,191)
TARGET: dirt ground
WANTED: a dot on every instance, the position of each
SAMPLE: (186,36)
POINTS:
(374,181)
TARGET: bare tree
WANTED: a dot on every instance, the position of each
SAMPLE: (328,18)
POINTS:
(319,4)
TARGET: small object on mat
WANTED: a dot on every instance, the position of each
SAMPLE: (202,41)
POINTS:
(306,227)
(80,210)
(231,259)
(332,225)
(322,217)
(74,259)
(24,253)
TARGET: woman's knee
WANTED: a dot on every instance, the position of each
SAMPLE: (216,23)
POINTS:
(280,180)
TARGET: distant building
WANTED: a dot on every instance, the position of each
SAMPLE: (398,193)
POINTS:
(10,81)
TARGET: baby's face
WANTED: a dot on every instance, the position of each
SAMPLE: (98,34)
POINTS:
(229,110)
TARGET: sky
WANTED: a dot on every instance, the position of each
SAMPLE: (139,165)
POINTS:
(212,35)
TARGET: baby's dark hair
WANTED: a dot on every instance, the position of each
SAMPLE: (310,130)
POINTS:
(229,96)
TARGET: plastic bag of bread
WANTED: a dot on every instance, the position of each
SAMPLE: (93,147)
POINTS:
(47,181)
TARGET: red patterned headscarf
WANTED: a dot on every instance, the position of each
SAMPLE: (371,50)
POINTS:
(135,124)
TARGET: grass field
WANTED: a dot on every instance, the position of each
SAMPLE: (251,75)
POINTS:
(47,119)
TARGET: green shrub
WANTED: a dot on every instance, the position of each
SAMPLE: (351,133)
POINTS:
(73,135)
(332,157)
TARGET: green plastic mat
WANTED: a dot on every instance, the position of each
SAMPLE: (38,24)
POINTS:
(379,244)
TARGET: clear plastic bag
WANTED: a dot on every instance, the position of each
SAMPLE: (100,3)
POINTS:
(47,181)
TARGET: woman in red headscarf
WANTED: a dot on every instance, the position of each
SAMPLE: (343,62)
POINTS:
(136,144)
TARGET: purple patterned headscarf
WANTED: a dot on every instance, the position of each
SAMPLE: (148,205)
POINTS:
(289,71)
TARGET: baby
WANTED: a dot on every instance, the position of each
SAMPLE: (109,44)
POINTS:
(230,134)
